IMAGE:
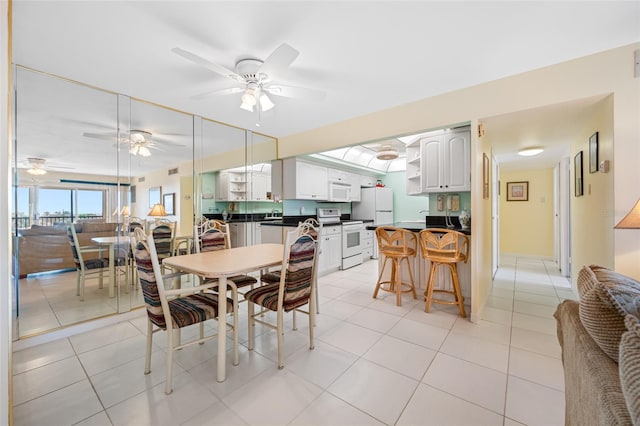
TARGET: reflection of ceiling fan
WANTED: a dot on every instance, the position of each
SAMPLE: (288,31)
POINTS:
(37,166)
(255,78)
(140,141)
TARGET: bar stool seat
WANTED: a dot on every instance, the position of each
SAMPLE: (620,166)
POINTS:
(396,245)
(444,247)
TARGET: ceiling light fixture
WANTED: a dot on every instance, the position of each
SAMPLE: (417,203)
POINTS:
(530,152)
(139,143)
(387,153)
(36,166)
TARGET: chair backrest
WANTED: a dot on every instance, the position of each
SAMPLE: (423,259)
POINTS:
(210,240)
(150,278)
(444,245)
(136,222)
(396,240)
(163,237)
(73,240)
(299,262)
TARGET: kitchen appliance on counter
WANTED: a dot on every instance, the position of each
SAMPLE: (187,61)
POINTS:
(351,236)
(375,204)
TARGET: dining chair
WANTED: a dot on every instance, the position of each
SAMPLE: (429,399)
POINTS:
(91,266)
(214,235)
(444,247)
(136,222)
(163,237)
(294,290)
(315,230)
(173,309)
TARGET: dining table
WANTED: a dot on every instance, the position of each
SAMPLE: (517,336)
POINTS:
(222,264)
(112,243)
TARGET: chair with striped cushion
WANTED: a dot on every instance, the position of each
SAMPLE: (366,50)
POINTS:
(136,222)
(295,289)
(315,230)
(171,310)
(215,236)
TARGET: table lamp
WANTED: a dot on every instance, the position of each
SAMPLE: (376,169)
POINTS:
(632,219)
(157,211)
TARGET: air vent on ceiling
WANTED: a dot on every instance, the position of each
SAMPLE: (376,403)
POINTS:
(173,171)
(141,179)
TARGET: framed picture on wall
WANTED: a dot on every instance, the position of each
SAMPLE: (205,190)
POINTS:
(485,176)
(593,153)
(518,191)
(169,202)
(154,196)
(577,170)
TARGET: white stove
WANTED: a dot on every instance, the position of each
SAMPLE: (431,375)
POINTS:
(352,231)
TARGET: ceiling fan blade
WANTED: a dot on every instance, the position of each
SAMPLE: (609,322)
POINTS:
(296,92)
(279,59)
(162,140)
(222,92)
(105,136)
(218,69)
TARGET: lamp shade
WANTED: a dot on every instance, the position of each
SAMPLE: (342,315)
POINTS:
(632,219)
(157,210)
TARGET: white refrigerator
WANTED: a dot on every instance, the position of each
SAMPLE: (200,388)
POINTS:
(375,204)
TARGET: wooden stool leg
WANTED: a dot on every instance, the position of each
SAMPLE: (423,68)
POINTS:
(456,288)
(413,285)
(384,264)
(430,285)
(397,281)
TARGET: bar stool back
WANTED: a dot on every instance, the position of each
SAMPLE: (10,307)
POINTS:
(444,247)
(396,245)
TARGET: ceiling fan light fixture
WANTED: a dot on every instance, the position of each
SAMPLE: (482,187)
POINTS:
(530,152)
(36,171)
(265,103)
(144,151)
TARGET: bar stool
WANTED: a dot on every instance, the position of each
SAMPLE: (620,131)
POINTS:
(444,247)
(396,244)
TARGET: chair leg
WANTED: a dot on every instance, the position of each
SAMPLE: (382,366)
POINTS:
(413,283)
(147,358)
(295,325)
(317,298)
(396,278)
(236,355)
(202,332)
(252,324)
(456,289)
(312,322)
(430,285)
(280,331)
(384,265)
(78,283)
(82,283)
(167,386)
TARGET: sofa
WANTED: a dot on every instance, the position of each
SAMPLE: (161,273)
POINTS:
(600,340)
(47,248)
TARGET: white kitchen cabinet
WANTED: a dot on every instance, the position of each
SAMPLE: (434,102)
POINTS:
(303,181)
(354,180)
(239,233)
(260,185)
(256,234)
(231,186)
(331,249)
(439,163)
(367,245)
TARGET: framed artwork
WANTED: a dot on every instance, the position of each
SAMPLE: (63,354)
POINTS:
(593,153)
(577,170)
(485,176)
(154,195)
(518,191)
(169,202)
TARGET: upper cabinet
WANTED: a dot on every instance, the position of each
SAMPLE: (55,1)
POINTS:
(293,179)
(233,185)
(439,163)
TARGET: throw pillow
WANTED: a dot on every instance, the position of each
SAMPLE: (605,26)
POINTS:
(587,279)
(629,367)
(604,307)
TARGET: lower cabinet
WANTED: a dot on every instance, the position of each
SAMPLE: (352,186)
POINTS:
(331,249)
(367,245)
(271,234)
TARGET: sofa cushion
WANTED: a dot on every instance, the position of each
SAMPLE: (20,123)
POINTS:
(629,365)
(91,227)
(587,279)
(604,306)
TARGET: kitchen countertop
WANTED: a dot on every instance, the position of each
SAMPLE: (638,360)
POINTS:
(418,226)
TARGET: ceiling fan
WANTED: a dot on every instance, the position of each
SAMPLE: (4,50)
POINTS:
(255,78)
(140,141)
(38,166)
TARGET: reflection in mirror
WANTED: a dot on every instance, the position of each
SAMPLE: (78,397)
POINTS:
(60,177)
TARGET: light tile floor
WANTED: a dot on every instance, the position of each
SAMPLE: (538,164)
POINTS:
(373,363)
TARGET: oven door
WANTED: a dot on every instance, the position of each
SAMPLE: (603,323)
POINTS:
(351,242)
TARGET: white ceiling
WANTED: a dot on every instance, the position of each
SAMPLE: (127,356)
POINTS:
(366,55)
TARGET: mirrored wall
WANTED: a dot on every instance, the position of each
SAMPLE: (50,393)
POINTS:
(90,162)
